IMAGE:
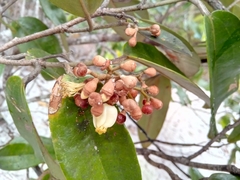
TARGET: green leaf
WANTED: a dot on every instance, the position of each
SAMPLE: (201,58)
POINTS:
(195,174)
(235,135)
(28,25)
(221,176)
(74,6)
(153,123)
(55,14)
(224,120)
(223,34)
(175,47)
(84,154)
(19,154)
(148,55)
(48,73)
(232,158)
(18,108)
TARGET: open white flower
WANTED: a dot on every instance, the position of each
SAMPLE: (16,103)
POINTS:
(106,119)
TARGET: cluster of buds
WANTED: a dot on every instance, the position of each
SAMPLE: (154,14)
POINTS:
(104,92)
(132,32)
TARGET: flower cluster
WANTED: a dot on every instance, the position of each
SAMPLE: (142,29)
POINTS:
(132,32)
(104,92)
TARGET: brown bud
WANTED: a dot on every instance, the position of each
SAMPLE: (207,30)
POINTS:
(133,93)
(130,31)
(155,30)
(99,61)
(107,90)
(119,84)
(82,103)
(137,113)
(132,41)
(130,105)
(80,70)
(122,99)
(123,92)
(150,72)
(113,99)
(128,65)
(156,103)
(95,99)
(129,81)
(90,87)
(97,110)
(107,64)
(153,90)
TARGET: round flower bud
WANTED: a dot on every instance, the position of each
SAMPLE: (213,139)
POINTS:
(119,84)
(147,109)
(156,103)
(128,65)
(113,99)
(90,87)
(82,103)
(97,110)
(137,113)
(130,31)
(133,93)
(99,61)
(107,90)
(121,118)
(80,70)
(155,30)
(95,99)
(150,72)
(153,90)
(129,105)
(132,41)
(129,81)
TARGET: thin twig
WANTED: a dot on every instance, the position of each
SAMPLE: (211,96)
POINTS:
(97,27)
(87,15)
(216,4)
(65,27)
(7,6)
(216,138)
(162,166)
(203,9)
(233,4)
(33,74)
(185,161)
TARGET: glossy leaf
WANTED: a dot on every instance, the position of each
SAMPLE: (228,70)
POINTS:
(223,35)
(176,48)
(148,55)
(74,6)
(84,154)
(48,73)
(19,154)
(55,14)
(235,135)
(222,176)
(195,174)
(153,123)
(18,108)
(28,25)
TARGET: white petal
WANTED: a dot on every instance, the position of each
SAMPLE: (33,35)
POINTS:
(100,120)
(111,115)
